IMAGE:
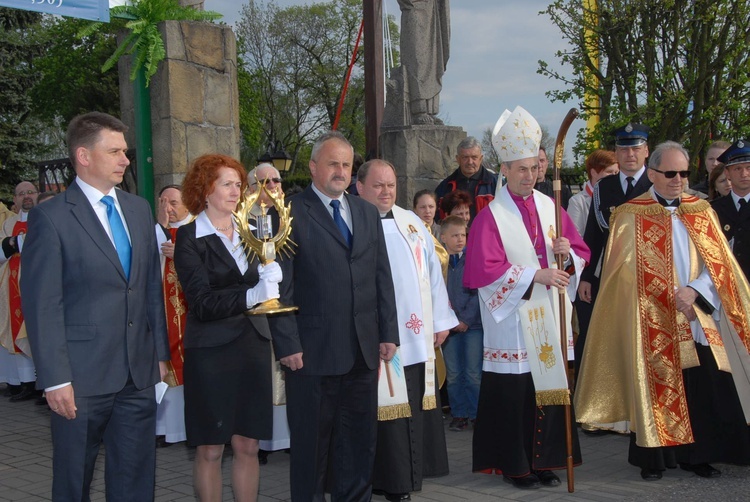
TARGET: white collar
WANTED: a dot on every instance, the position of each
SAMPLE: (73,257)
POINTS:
(204,227)
(95,195)
(326,199)
(635,176)
(736,198)
(183,221)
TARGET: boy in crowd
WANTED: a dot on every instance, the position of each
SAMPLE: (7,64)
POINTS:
(462,349)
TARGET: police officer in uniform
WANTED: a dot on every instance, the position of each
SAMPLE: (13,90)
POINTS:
(631,151)
(733,210)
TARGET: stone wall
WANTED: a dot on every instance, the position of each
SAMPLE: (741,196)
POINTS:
(423,156)
(194,98)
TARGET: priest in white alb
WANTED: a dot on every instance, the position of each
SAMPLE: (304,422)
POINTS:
(510,259)
(411,438)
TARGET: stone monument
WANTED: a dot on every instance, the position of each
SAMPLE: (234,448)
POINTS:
(412,137)
(194,97)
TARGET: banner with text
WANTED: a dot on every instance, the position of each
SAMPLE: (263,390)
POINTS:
(95,10)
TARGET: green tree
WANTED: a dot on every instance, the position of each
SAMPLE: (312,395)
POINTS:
(300,55)
(66,87)
(19,132)
(679,66)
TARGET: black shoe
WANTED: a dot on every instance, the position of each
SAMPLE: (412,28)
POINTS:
(594,431)
(262,457)
(527,482)
(27,392)
(650,474)
(548,478)
(12,390)
(458,424)
(702,470)
(161,442)
(392,497)
(397,497)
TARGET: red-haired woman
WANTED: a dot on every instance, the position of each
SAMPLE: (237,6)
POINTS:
(227,354)
(599,163)
(457,203)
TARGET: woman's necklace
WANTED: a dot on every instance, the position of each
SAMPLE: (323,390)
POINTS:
(223,229)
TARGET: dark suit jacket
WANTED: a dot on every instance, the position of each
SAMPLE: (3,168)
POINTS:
(611,195)
(88,324)
(215,290)
(735,225)
(345,297)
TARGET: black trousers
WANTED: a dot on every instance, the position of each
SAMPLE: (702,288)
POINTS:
(332,421)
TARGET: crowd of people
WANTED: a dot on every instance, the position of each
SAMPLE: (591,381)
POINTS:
(134,326)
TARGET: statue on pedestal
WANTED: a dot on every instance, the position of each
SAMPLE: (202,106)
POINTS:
(425,47)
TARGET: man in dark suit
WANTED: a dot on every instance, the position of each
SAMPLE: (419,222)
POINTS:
(733,210)
(340,279)
(631,150)
(544,185)
(95,318)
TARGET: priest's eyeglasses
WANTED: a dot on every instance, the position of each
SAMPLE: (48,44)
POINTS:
(672,174)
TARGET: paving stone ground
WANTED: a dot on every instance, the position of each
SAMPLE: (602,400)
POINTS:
(605,476)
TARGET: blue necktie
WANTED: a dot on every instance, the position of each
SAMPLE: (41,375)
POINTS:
(339,221)
(119,235)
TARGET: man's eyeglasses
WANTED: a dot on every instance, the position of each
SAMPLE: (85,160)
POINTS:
(275,180)
(672,174)
(27,192)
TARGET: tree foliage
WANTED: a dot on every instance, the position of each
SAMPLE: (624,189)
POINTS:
(19,49)
(71,82)
(679,66)
(298,58)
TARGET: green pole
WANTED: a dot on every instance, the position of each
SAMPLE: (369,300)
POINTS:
(143,141)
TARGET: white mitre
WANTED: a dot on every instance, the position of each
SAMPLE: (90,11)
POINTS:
(516,135)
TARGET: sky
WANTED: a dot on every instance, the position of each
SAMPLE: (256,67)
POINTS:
(494,52)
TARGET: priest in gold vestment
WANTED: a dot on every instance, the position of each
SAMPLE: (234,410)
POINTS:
(670,332)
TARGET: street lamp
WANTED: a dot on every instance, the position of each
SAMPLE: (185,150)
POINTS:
(266,157)
(282,161)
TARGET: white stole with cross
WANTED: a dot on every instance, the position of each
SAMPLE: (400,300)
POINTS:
(412,257)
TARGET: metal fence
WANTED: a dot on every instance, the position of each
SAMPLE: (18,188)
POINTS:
(55,175)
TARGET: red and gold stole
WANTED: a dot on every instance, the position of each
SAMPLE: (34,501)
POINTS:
(14,290)
(706,234)
(176,308)
(661,331)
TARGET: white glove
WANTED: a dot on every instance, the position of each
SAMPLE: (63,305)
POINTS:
(270,272)
(262,291)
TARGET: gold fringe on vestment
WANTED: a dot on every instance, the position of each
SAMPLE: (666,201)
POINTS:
(401,410)
(553,397)
(429,402)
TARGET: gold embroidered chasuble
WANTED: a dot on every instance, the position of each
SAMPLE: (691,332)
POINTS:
(638,343)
